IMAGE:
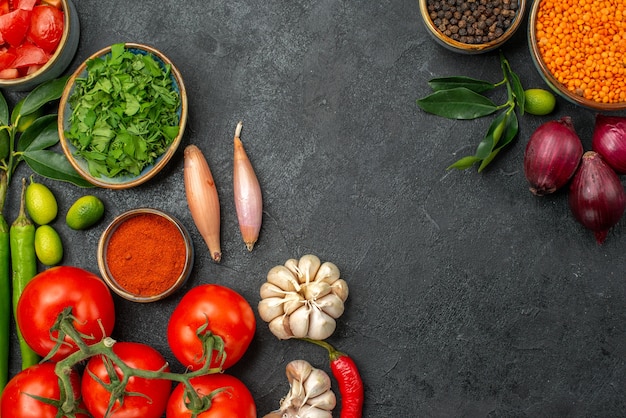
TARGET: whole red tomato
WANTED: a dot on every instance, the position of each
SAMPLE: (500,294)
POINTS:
(46,27)
(227,314)
(234,402)
(147,398)
(53,290)
(38,380)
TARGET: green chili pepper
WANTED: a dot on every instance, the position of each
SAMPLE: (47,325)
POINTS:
(24,267)
(5,287)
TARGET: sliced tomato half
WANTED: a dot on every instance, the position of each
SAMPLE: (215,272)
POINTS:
(46,27)
(6,59)
(29,54)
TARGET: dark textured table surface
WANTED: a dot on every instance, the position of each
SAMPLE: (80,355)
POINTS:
(469,296)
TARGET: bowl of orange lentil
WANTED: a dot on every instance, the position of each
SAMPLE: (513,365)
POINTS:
(579,48)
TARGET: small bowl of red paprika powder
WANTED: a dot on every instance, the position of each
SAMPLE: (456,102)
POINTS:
(145,255)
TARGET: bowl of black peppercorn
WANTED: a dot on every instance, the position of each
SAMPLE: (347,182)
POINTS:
(472,26)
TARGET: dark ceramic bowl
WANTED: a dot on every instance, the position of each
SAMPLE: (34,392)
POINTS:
(80,164)
(60,59)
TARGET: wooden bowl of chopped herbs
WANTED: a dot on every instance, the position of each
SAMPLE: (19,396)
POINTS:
(122,115)
(472,27)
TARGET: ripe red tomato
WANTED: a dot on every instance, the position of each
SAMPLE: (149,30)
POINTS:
(38,380)
(149,396)
(53,290)
(46,27)
(234,402)
(14,26)
(229,316)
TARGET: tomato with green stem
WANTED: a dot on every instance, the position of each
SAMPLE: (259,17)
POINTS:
(213,318)
(53,291)
(225,396)
(35,392)
(106,392)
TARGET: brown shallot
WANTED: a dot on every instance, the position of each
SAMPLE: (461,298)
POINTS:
(203,199)
(247,191)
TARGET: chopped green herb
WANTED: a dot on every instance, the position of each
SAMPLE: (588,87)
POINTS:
(125,112)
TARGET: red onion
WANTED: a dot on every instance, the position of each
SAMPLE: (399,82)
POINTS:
(552,155)
(596,196)
(609,140)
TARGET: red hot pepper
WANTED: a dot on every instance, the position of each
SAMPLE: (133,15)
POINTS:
(348,378)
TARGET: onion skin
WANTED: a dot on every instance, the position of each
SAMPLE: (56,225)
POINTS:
(203,199)
(552,155)
(596,196)
(247,191)
(609,140)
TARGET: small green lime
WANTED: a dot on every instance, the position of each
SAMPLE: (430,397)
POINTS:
(40,203)
(25,120)
(85,212)
(48,245)
(539,102)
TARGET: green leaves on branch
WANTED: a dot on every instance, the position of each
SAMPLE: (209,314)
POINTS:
(27,134)
(463,98)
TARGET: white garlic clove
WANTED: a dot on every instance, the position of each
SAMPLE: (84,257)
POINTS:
(270,308)
(297,394)
(279,326)
(326,401)
(320,324)
(317,383)
(308,411)
(298,370)
(315,290)
(283,278)
(274,414)
(307,268)
(270,290)
(299,321)
(331,304)
(292,266)
(328,272)
(292,301)
(340,288)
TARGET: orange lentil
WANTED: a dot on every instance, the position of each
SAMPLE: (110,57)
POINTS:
(592,66)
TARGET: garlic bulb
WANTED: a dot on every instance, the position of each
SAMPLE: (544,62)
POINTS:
(303,298)
(310,394)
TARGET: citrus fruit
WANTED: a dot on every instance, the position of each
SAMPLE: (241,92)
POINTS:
(40,203)
(539,102)
(48,245)
(85,212)
(25,120)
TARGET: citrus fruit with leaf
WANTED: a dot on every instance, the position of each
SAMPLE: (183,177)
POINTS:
(539,102)
(85,212)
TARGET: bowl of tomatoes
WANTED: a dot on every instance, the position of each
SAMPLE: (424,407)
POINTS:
(39,39)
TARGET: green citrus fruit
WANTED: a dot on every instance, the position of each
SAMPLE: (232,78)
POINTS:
(48,245)
(25,120)
(40,203)
(85,212)
(539,102)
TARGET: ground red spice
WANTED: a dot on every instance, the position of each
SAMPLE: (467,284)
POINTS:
(146,254)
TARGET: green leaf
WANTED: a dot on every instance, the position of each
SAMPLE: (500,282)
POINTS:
(457,103)
(485,162)
(447,83)
(54,166)
(43,133)
(42,94)
(4,110)
(510,131)
(492,136)
(464,163)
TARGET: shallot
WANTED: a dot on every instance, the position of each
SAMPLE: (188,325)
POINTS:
(596,197)
(203,199)
(552,155)
(303,298)
(609,140)
(310,394)
(247,191)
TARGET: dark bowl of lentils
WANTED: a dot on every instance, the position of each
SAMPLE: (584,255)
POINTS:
(472,26)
